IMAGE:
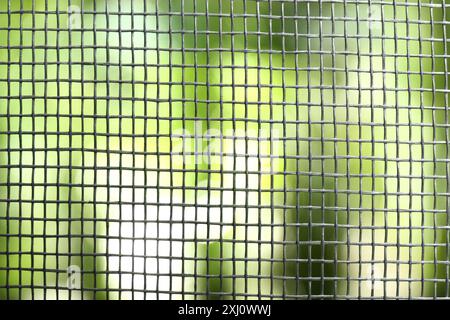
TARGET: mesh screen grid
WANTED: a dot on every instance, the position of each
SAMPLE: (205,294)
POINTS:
(204,149)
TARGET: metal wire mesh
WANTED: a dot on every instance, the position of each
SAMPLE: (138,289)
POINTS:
(230,149)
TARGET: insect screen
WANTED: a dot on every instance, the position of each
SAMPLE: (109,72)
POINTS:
(206,149)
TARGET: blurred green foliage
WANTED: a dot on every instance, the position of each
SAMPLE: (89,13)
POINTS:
(358,174)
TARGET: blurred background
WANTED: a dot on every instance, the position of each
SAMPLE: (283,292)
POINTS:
(206,149)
